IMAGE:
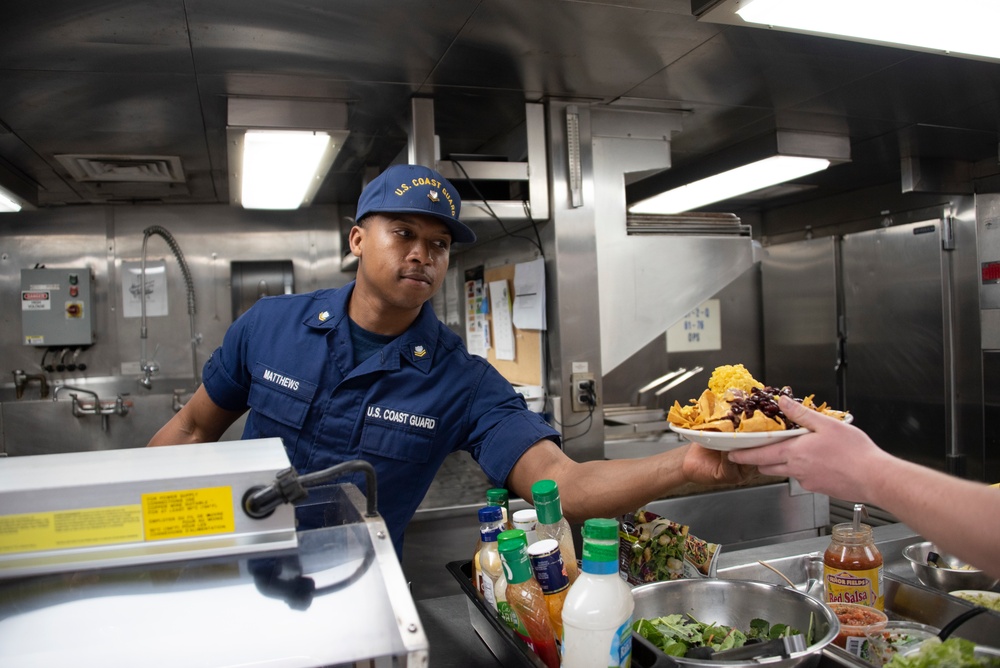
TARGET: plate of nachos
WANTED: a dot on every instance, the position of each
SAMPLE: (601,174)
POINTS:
(737,411)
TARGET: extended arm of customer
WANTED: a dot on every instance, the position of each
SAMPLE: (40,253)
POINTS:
(608,488)
(960,516)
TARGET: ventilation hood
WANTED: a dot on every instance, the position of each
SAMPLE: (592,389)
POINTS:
(653,269)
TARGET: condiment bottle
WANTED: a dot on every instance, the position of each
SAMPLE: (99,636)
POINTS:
(491,523)
(498,496)
(526,598)
(525,520)
(504,608)
(552,524)
(852,564)
(493,498)
(550,573)
(597,613)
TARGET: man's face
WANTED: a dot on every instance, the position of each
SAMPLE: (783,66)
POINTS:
(403,256)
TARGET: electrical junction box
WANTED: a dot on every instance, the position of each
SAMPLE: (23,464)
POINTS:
(56,307)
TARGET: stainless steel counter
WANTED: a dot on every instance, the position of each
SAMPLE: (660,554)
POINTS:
(454,641)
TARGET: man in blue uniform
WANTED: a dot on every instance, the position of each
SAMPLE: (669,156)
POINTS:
(368,372)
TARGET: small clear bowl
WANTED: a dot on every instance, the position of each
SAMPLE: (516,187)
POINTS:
(857,622)
(897,637)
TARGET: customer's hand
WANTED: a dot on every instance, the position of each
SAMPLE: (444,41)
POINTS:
(835,459)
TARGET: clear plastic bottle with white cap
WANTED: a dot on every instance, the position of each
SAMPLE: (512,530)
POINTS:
(525,520)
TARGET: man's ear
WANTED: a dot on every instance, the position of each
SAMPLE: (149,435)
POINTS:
(354,238)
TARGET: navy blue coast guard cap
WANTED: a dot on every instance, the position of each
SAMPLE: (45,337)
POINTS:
(415,189)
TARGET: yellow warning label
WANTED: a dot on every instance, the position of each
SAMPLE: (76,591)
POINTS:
(188,512)
(62,529)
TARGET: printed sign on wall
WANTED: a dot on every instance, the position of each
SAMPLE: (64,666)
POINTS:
(700,329)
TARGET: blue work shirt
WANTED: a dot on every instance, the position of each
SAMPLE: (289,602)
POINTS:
(289,359)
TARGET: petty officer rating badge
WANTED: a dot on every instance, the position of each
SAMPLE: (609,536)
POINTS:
(419,351)
(432,195)
(324,316)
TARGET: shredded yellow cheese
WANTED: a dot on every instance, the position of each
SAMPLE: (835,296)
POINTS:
(731,376)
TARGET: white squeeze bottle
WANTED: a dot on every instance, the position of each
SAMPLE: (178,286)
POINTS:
(597,613)
(552,524)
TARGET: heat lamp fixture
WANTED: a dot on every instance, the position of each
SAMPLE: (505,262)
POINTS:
(281,150)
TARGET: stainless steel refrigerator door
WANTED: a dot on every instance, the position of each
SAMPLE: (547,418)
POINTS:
(896,289)
(799,283)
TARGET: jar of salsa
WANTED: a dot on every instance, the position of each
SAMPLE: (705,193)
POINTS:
(852,566)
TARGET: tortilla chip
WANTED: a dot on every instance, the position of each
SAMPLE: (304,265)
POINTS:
(683,416)
(706,405)
(725,425)
(760,422)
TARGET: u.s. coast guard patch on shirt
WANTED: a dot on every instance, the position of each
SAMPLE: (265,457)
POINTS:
(391,417)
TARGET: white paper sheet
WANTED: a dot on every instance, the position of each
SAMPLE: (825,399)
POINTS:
(452,298)
(156,289)
(503,328)
(477,331)
(529,294)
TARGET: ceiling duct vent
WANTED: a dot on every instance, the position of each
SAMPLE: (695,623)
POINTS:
(687,224)
(123,168)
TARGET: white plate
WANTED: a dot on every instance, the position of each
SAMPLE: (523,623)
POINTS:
(717,440)
(990,598)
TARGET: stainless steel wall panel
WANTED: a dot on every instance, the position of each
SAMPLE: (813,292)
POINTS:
(648,282)
(102,238)
(742,343)
(800,284)
(893,283)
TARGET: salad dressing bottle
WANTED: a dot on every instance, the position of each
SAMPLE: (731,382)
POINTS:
(526,598)
(552,524)
(495,496)
(597,613)
(491,522)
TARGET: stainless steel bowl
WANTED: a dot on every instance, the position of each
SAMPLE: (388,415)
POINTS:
(945,579)
(736,603)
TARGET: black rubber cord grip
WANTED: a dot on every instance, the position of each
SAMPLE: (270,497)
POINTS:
(288,487)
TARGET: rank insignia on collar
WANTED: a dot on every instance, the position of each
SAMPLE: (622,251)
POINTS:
(324,316)
(433,196)
(419,351)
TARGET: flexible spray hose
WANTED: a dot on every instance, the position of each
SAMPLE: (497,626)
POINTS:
(189,282)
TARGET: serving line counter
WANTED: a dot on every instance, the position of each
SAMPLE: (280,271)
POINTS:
(454,623)
(767,510)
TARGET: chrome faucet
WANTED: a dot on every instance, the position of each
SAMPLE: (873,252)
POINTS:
(21,380)
(149,367)
(120,406)
(76,402)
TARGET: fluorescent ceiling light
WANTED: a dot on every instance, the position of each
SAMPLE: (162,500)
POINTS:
(281,149)
(279,166)
(745,179)
(960,26)
(8,203)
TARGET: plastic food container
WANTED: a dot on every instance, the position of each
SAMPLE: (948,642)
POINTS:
(857,623)
(896,638)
